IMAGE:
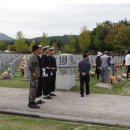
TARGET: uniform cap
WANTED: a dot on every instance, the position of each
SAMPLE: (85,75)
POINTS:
(52,48)
(35,47)
(46,47)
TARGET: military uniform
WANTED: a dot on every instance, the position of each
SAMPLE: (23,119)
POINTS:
(40,84)
(46,77)
(34,76)
(53,73)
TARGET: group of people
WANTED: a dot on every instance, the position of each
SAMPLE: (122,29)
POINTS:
(103,63)
(107,62)
(42,67)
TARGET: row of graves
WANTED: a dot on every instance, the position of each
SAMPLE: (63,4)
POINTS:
(67,65)
(67,71)
(9,64)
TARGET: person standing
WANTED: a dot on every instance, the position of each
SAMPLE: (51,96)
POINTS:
(40,83)
(112,63)
(126,52)
(84,69)
(127,62)
(53,70)
(98,64)
(34,76)
(46,73)
(105,65)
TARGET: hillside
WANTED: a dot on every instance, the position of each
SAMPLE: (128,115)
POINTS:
(4,37)
(63,39)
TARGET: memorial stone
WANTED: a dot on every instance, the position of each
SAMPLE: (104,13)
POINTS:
(65,74)
(26,72)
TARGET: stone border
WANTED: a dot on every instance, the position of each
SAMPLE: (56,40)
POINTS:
(83,120)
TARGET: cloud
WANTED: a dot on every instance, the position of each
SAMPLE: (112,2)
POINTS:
(56,17)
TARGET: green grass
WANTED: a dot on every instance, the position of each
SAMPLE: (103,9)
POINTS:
(120,88)
(9,122)
(16,82)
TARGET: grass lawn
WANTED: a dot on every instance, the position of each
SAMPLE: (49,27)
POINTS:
(121,88)
(9,122)
(17,82)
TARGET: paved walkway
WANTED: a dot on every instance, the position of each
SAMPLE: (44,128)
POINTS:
(95,108)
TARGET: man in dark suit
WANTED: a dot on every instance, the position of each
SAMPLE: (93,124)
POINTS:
(84,69)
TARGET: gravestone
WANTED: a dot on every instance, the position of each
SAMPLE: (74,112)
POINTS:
(12,68)
(26,72)
(0,66)
(65,73)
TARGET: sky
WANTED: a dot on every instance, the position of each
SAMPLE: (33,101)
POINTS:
(58,17)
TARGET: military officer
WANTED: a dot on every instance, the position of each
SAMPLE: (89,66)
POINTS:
(46,73)
(53,70)
(40,83)
(34,76)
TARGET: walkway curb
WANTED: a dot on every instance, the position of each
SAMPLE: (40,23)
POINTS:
(83,120)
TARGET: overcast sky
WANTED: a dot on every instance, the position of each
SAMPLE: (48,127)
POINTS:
(58,17)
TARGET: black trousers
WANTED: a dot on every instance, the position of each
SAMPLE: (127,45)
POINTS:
(47,84)
(98,72)
(128,71)
(84,79)
(40,87)
(53,80)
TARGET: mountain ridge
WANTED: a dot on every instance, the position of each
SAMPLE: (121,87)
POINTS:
(4,37)
(63,39)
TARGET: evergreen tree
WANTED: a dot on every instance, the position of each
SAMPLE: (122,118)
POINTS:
(20,42)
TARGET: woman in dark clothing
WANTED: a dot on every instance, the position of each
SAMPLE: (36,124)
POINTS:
(98,64)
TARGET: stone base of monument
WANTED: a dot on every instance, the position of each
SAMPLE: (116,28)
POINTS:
(65,78)
(65,82)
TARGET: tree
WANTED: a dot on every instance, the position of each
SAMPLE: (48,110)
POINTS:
(119,37)
(3,46)
(20,42)
(12,47)
(84,38)
(122,38)
(125,22)
(44,40)
(99,34)
(70,45)
(77,46)
(31,45)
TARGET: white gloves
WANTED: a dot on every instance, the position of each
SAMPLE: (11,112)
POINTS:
(44,74)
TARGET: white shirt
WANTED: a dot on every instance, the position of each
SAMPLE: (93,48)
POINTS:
(127,59)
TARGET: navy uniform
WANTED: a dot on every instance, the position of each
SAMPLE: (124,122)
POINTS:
(46,75)
(40,80)
(53,72)
(34,76)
